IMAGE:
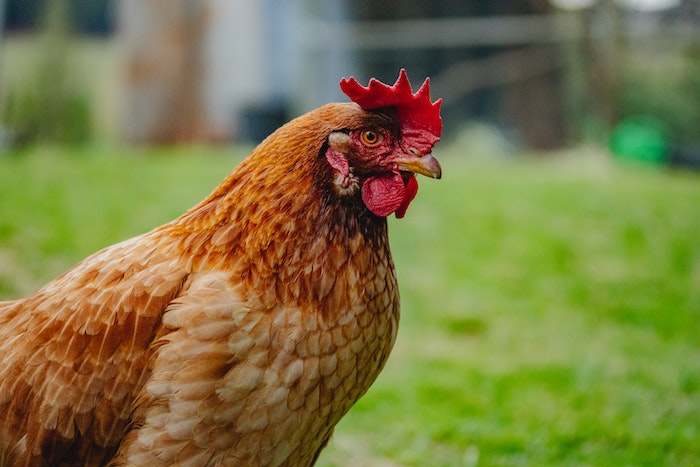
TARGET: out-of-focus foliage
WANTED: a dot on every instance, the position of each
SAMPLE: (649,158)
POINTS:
(49,105)
(665,87)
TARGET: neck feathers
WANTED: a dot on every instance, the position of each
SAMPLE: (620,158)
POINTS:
(279,218)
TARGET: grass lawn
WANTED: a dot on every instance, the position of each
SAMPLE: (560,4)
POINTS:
(551,307)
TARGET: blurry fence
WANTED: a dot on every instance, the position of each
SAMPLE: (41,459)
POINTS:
(212,70)
(512,63)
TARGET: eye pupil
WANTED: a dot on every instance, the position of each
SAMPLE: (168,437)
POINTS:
(370,137)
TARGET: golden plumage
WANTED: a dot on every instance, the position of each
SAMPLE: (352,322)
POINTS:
(237,334)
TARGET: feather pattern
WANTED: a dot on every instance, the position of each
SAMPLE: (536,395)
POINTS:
(237,334)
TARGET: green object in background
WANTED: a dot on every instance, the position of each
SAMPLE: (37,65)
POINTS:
(640,138)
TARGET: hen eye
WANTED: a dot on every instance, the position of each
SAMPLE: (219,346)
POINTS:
(371,137)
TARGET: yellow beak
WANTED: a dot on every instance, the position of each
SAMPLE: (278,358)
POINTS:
(424,164)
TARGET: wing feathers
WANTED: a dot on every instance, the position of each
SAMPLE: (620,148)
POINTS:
(74,355)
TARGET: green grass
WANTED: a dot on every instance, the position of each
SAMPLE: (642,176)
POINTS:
(551,307)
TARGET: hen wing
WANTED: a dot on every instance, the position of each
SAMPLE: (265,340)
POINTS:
(74,354)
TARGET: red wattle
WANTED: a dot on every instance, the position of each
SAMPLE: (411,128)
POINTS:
(411,190)
(389,194)
(383,195)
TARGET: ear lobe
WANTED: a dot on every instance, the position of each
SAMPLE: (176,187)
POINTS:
(338,162)
(338,144)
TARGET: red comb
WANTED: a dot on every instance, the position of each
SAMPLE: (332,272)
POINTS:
(419,117)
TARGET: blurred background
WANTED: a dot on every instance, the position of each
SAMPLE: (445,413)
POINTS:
(550,282)
(541,74)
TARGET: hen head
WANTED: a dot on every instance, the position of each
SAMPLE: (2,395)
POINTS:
(381,155)
(362,155)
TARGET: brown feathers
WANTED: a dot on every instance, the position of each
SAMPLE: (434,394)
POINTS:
(238,334)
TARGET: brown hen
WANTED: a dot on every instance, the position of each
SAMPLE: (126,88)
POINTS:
(241,332)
